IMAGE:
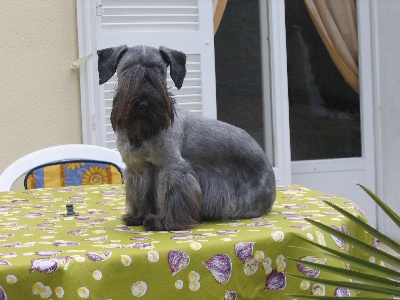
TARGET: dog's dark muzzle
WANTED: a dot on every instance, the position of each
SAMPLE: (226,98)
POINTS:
(142,107)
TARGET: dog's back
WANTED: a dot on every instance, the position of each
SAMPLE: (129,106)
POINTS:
(230,165)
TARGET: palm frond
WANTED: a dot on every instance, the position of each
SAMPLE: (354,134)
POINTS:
(388,211)
(380,236)
(352,285)
(385,281)
(354,275)
(353,260)
(394,261)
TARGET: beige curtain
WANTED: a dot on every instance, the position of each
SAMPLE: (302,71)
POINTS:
(336,23)
(219,8)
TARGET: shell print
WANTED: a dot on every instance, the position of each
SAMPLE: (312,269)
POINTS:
(307,271)
(260,224)
(124,229)
(98,256)
(278,236)
(250,266)
(301,227)
(59,291)
(227,231)
(275,281)
(77,232)
(20,201)
(47,253)
(33,215)
(83,218)
(10,245)
(4,263)
(49,265)
(244,250)
(65,244)
(4,208)
(187,237)
(3,295)
(152,256)
(318,290)
(140,238)
(339,242)
(230,295)
(342,292)
(83,292)
(4,236)
(139,245)
(220,267)
(139,288)
(177,260)
(43,265)
(11,279)
(126,260)
(96,239)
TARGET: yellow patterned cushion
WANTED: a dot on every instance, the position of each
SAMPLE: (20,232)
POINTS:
(73,173)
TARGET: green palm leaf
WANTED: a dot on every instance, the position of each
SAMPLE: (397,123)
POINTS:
(385,281)
(359,244)
(380,236)
(352,285)
(363,277)
(389,212)
(363,264)
(334,298)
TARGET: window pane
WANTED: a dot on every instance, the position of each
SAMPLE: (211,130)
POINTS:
(239,68)
(324,111)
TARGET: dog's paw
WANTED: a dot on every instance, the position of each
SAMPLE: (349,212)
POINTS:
(152,224)
(131,220)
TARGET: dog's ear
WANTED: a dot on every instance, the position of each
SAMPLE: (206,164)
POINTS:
(177,64)
(108,62)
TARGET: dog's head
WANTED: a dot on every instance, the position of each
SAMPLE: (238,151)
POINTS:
(142,105)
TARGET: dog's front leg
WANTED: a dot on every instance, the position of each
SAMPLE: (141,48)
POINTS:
(178,199)
(139,197)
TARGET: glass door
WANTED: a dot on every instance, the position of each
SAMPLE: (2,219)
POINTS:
(331,125)
(324,111)
(276,80)
(245,81)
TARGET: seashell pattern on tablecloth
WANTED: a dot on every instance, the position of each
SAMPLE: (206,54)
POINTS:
(96,255)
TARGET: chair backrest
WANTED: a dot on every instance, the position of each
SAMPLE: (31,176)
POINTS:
(63,158)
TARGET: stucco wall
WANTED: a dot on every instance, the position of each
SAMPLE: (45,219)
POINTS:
(40,100)
(387,76)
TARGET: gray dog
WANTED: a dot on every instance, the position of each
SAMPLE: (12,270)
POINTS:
(180,168)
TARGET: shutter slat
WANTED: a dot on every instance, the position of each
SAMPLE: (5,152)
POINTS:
(151,15)
(168,3)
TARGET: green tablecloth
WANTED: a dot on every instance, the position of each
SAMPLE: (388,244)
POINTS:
(44,255)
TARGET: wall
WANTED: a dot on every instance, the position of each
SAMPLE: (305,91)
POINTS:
(387,78)
(40,98)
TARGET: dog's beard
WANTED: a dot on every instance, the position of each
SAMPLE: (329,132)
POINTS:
(140,124)
(141,127)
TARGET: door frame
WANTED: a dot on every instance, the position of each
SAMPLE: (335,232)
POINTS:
(279,90)
(275,41)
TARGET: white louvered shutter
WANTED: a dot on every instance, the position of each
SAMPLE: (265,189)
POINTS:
(184,25)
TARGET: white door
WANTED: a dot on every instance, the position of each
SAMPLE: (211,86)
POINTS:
(332,136)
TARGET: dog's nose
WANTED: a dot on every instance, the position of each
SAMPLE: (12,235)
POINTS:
(143,105)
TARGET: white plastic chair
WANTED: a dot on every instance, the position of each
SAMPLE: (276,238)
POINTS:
(61,153)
